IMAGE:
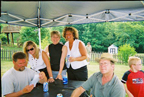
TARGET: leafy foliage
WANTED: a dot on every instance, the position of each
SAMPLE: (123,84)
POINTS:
(125,51)
(45,42)
(3,38)
(28,34)
(100,35)
(31,33)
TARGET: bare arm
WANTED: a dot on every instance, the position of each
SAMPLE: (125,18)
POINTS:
(25,90)
(83,52)
(62,60)
(127,91)
(77,92)
(47,62)
(47,50)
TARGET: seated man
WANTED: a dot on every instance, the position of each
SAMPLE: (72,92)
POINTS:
(15,82)
(104,83)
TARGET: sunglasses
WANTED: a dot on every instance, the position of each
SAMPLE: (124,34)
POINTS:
(30,49)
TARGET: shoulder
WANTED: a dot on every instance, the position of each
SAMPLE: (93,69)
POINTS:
(142,71)
(66,43)
(77,40)
(116,82)
(60,44)
(47,47)
(117,88)
(96,75)
(81,42)
(50,45)
(7,74)
(64,47)
(127,72)
(43,52)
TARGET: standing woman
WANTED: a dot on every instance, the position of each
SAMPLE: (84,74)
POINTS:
(77,66)
(57,53)
(37,59)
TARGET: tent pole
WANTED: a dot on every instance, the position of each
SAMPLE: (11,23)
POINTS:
(39,38)
(39,26)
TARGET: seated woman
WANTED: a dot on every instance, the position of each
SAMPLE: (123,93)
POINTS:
(37,59)
(57,53)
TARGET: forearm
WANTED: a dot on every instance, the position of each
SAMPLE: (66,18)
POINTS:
(49,71)
(77,92)
(47,62)
(80,58)
(61,66)
(129,94)
(127,91)
(15,94)
(43,80)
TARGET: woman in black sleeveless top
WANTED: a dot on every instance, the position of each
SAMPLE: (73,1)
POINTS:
(57,53)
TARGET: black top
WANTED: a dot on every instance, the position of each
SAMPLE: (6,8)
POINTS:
(55,52)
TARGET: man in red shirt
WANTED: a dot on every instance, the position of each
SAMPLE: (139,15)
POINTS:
(134,78)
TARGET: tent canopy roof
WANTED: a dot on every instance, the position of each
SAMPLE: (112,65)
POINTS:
(58,13)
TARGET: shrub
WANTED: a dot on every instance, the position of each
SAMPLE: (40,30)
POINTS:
(125,51)
(45,42)
(3,38)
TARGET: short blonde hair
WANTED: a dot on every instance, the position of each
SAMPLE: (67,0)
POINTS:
(28,43)
(73,30)
(55,33)
(133,60)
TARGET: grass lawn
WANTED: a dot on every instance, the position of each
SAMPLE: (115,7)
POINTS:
(92,68)
(119,69)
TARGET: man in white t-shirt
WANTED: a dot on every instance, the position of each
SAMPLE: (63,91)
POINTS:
(16,81)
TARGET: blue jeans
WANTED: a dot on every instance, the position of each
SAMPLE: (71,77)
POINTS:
(55,73)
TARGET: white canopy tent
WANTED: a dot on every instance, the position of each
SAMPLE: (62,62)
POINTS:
(57,13)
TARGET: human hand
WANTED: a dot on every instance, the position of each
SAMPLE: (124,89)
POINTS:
(50,80)
(42,77)
(28,88)
(59,77)
(71,59)
(90,95)
(130,95)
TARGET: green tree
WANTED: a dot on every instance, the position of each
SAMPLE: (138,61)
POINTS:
(125,51)
(45,42)
(130,33)
(31,33)
(102,35)
(3,38)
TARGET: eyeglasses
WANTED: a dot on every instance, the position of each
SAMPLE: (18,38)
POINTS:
(30,49)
